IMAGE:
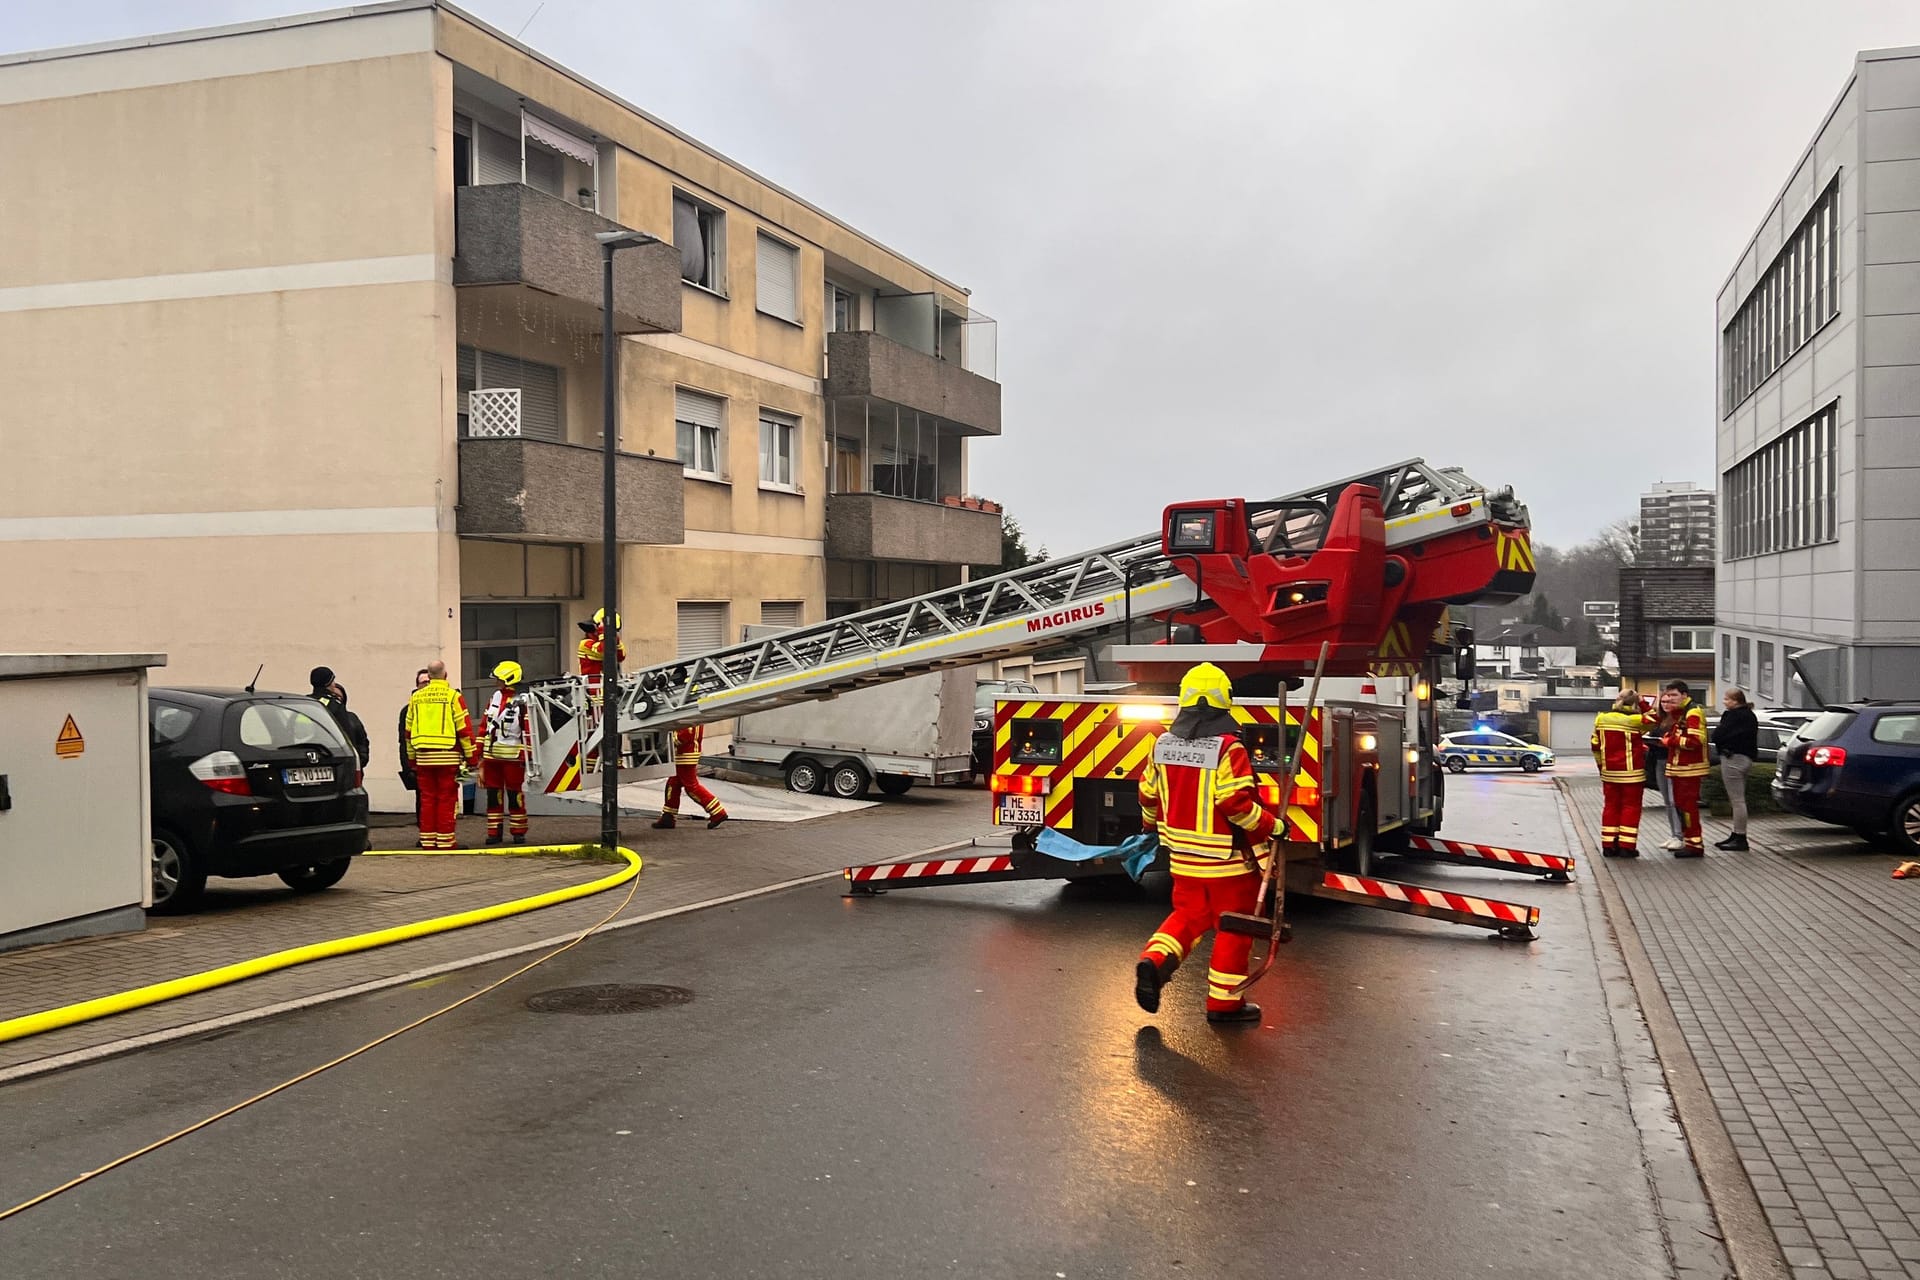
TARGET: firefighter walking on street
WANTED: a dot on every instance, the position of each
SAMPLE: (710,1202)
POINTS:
(506,743)
(1199,793)
(1686,741)
(686,777)
(1620,749)
(439,742)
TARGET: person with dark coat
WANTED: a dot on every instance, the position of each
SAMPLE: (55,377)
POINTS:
(408,778)
(1738,738)
(330,694)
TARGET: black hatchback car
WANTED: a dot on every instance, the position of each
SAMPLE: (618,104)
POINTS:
(1857,766)
(249,784)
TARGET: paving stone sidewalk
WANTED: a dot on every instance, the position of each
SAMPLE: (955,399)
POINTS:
(247,918)
(1794,972)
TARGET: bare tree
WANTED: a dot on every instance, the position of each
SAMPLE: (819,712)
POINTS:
(1620,541)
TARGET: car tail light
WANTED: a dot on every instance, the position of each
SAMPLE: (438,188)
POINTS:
(1018,784)
(1827,756)
(222,771)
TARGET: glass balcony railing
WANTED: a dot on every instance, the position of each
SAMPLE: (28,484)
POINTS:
(936,327)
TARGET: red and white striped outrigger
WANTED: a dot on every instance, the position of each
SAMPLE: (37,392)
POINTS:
(1557,867)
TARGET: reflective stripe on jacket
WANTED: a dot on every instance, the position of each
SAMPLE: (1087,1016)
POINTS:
(1205,810)
(1687,744)
(593,648)
(439,730)
(505,725)
(686,744)
(1618,747)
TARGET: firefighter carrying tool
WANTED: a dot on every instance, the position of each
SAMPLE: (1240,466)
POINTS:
(1620,749)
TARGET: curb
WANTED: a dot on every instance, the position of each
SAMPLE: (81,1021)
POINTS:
(1743,1224)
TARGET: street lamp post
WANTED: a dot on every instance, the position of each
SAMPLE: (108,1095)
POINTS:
(611,242)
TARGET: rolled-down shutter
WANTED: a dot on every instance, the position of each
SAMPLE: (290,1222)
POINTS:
(697,408)
(499,156)
(777,279)
(780,613)
(703,628)
(539,390)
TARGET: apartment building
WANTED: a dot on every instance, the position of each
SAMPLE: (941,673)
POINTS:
(303,326)
(1818,590)
(1676,524)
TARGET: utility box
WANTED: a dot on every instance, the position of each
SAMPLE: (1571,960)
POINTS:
(75,832)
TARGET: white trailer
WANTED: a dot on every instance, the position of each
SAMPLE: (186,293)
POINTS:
(893,735)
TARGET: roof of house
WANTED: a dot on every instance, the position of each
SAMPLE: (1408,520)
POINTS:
(1683,601)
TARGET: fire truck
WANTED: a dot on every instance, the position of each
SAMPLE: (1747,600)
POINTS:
(1348,583)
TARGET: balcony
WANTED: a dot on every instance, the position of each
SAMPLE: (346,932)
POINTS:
(870,526)
(509,235)
(870,367)
(540,491)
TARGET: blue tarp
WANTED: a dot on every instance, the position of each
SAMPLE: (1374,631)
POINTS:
(1135,852)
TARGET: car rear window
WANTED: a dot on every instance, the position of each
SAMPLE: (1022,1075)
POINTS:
(1827,725)
(1901,730)
(276,726)
(169,723)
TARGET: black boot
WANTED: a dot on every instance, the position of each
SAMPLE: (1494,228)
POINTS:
(1735,843)
(663,823)
(494,838)
(1245,1013)
(1148,978)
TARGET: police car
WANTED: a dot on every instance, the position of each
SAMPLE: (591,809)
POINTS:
(1483,748)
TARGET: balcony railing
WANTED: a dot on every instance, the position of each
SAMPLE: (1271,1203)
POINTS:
(870,367)
(542,491)
(869,526)
(937,327)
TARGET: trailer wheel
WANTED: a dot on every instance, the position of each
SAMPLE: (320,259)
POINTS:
(848,780)
(805,775)
(894,784)
(1456,764)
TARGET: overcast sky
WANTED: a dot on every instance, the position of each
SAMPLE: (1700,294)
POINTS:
(1239,248)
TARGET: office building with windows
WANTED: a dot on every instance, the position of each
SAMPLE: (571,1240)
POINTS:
(1818,589)
(1676,525)
(318,379)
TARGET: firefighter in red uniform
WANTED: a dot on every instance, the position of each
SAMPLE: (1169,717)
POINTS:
(1199,793)
(686,777)
(505,743)
(1686,740)
(1620,749)
(439,741)
(593,652)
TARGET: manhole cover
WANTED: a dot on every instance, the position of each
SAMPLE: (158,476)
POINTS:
(608,997)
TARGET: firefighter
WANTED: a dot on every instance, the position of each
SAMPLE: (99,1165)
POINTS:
(593,652)
(1620,749)
(505,744)
(439,742)
(686,777)
(1198,793)
(1686,742)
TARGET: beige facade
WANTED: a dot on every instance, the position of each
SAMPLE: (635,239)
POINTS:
(243,310)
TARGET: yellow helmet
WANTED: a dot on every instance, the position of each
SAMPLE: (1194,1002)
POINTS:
(1209,684)
(507,673)
(600,615)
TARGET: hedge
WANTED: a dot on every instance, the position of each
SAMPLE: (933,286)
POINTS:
(1713,792)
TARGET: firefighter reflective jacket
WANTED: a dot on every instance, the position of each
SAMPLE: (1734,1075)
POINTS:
(1687,743)
(1619,747)
(686,744)
(504,724)
(438,728)
(1200,794)
(593,649)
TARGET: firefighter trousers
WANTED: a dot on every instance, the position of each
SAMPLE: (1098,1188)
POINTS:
(1198,902)
(1620,814)
(439,786)
(1686,801)
(686,777)
(506,784)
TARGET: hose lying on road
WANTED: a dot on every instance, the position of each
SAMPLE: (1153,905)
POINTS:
(33,1024)
(630,872)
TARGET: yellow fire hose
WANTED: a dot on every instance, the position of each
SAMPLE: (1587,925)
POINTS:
(140,997)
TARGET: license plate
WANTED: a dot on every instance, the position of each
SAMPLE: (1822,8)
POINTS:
(1021,811)
(311,777)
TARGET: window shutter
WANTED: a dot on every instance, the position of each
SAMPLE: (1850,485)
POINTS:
(539,388)
(701,410)
(703,628)
(780,613)
(777,279)
(499,155)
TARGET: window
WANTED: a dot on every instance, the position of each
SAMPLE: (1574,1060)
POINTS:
(528,634)
(703,628)
(776,279)
(1765,685)
(496,156)
(780,613)
(697,420)
(776,449)
(277,726)
(1794,297)
(1690,640)
(700,233)
(1903,730)
(1744,647)
(539,390)
(168,723)
(843,309)
(544,171)
(1785,495)
(462,152)
(1726,657)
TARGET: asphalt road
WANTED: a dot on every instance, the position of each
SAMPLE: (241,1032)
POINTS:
(945,1082)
